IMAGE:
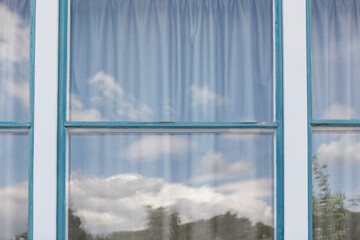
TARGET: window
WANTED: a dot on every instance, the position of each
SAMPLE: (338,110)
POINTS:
(334,119)
(162,115)
(16,118)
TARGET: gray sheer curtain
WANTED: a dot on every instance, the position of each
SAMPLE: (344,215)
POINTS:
(335,56)
(14,60)
(14,106)
(335,40)
(173,60)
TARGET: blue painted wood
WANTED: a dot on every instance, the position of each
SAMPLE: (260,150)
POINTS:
(279,115)
(309,113)
(61,154)
(31,130)
(15,125)
(169,125)
(335,123)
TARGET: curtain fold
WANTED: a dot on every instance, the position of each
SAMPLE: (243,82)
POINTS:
(335,56)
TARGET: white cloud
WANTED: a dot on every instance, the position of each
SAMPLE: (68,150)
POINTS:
(107,85)
(216,164)
(344,150)
(78,113)
(203,96)
(150,147)
(339,111)
(13,210)
(20,91)
(111,94)
(117,203)
(14,36)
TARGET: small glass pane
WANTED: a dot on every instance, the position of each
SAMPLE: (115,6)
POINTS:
(161,60)
(14,167)
(336,185)
(335,58)
(197,186)
(14,59)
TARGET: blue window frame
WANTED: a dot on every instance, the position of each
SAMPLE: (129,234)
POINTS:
(17,120)
(66,126)
(333,119)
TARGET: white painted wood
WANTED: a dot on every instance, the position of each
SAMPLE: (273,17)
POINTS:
(45,120)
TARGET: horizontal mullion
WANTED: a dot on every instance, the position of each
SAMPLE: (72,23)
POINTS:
(15,125)
(255,125)
(335,123)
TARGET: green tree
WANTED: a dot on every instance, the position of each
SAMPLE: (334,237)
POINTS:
(76,230)
(329,209)
(174,222)
(155,222)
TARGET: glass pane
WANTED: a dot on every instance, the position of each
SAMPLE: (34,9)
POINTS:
(14,158)
(161,60)
(166,186)
(335,56)
(14,59)
(336,185)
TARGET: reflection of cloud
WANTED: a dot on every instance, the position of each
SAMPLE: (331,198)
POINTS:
(215,163)
(19,91)
(345,150)
(117,203)
(111,94)
(339,111)
(13,210)
(14,36)
(202,96)
(150,147)
(78,112)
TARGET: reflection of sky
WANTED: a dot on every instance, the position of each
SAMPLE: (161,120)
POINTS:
(13,184)
(14,59)
(171,60)
(341,152)
(14,106)
(221,163)
(335,44)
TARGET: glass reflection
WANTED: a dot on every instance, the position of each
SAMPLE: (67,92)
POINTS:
(14,59)
(171,186)
(13,186)
(160,60)
(336,185)
(335,57)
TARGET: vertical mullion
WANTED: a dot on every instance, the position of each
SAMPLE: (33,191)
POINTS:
(309,108)
(31,113)
(280,119)
(61,154)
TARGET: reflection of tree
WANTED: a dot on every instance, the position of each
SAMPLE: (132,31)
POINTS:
(162,225)
(75,229)
(165,224)
(155,222)
(330,214)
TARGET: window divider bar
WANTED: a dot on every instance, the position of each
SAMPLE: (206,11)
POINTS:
(245,125)
(335,123)
(15,125)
